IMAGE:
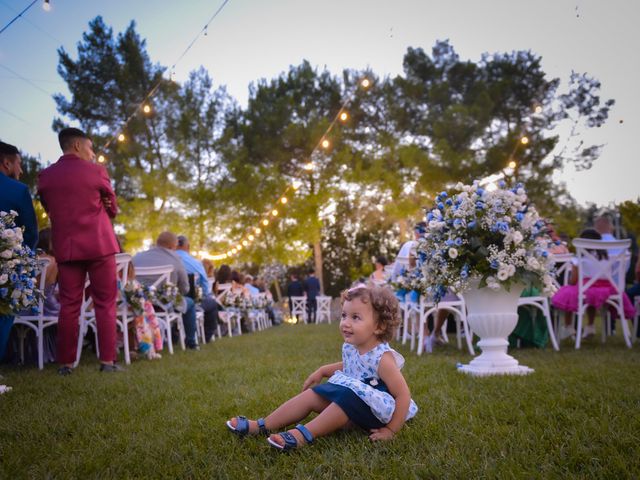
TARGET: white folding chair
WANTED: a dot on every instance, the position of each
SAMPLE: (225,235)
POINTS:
(563,266)
(167,315)
(457,308)
(38,321)
(324,309)
(88,314)
(541,303)
(230,315)
(611,269)
(410,320)
(299,307)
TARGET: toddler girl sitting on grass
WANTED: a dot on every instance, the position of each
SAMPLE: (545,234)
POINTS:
(366,388)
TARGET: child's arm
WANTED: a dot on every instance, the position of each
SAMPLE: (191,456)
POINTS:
(390,374)
(317,376)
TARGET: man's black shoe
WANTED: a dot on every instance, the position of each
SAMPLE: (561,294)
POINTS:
(64,371)
(195,347)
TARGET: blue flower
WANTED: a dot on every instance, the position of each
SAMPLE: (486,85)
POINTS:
(457,222)
(479,205)
(545,254)
(480,191)
(429,216)
(449,202)
(440,205)
(472,224)
(519,216)
(443,194)
(502,184)
(494,264)
(4,292)
(458,241)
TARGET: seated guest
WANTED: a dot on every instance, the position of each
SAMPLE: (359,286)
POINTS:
(45,250)
(634,290)
(195,267)
(379,277)
(164,253)
(248,284)
(223,277)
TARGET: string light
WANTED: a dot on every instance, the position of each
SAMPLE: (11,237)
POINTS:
(324,143)
(146,109)
(44,214)
(538,109)
(524,140)
(512,165)
(101,159)
(46,6)
(121,137)
(233,251)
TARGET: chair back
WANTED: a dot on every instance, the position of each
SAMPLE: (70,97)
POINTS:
(298,305)
(42,266)
(562,263)
(611,268)
(154,276)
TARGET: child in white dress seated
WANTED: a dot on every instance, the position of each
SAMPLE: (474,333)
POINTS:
(366,388)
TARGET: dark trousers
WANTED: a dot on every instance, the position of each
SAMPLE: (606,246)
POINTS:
(104,290)
(6,322)
(312,308)
(210,307)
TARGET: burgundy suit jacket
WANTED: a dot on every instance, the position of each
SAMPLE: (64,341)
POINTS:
(71,192)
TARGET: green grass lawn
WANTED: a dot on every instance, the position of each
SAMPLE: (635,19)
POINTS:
(576,416)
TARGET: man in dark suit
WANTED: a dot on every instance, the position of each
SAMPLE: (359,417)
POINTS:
(294,289)
(78,196)
(15,196)
(312,290)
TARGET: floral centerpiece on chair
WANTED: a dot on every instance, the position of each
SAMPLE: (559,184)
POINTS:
(18,269)
(488,244)
(492,235)
(136,294)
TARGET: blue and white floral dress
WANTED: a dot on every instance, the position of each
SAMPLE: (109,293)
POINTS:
(358,389)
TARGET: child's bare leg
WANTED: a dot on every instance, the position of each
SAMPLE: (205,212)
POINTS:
(291,411)
(332,418)
(568,318)
(296,409)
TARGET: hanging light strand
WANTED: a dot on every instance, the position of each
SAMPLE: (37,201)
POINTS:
(154,89)
(309,166)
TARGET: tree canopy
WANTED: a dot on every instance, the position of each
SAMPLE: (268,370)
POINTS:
(198,163)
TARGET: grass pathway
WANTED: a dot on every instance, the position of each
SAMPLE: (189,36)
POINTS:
(576,416)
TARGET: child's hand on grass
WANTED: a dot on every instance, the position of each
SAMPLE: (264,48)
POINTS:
(313,379)
(384,433)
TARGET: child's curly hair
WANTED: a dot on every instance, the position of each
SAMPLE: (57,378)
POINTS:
(384,304)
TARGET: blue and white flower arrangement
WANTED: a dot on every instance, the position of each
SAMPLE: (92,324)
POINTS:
(493,235)
(18,269)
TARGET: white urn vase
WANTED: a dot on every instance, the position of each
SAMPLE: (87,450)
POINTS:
(492,315)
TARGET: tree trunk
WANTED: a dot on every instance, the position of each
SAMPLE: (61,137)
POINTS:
(278,291)
(317,256)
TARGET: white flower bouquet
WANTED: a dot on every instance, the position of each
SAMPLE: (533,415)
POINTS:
(18,269)
(494,235)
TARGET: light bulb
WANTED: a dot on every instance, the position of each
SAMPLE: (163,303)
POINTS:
(365,83)
(524,140)
(344,116)
(308,166)
(257,230)
(233,251)
(101,159)
(238,247)
(251,237)
(325,143)
(512,165)
(146,109)
(121,137)
(283,200)
(296,185)
(274,212)
(265,222)
(245,243)
(538,109)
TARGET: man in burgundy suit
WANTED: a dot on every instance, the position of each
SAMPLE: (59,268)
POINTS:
(78,197)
